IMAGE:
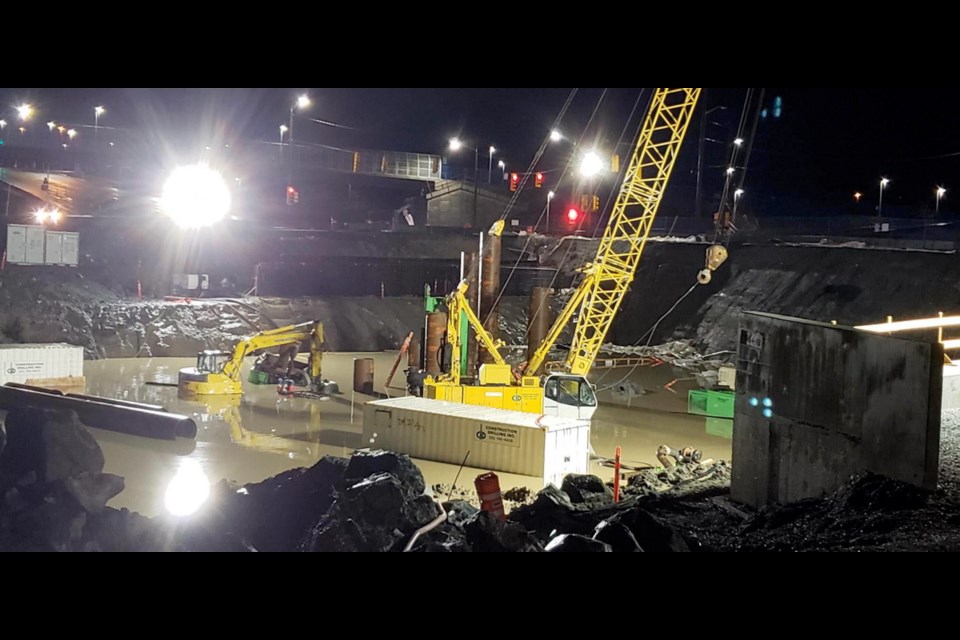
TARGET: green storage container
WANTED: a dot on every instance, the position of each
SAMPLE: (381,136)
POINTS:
(258,377)
(715,404)
(720,427)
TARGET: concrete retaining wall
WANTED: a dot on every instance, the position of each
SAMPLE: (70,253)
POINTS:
(817,403)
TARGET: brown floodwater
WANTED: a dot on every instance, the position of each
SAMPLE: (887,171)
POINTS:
(262,434)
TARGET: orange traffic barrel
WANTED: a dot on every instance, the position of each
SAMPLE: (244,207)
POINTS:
(488,488)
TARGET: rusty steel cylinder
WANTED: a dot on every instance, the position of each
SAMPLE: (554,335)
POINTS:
(363,375)
(539,322)
(489,289)
(436,329)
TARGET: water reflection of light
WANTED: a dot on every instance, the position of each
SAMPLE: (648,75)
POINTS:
(188,490)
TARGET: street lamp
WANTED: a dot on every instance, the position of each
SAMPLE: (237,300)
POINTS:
(72,133)
(302,102)
(555,136)
(3,125)
(591,164)
(456,145)
(283,130)
(490,165)
(550,196)
(97,112)
(940,193)
(51,125)
(857,196)
(502,165)
(24,111)
(738,142)
(883,185)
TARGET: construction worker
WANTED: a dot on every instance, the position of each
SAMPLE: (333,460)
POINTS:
(415,381)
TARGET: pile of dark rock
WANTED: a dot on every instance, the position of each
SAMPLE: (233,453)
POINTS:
(54,492)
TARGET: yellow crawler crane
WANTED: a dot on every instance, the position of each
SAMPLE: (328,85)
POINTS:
(218,372)
(597,299)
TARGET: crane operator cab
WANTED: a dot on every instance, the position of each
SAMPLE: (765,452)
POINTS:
(569,396)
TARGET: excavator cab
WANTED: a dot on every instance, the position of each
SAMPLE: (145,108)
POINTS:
(569,396)
(212,361)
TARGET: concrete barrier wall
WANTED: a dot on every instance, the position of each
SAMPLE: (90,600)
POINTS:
(817,403)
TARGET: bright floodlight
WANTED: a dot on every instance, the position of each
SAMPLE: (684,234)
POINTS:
(556,136)
(98,111)
(188,490)
(591,165)
(24,111)
(195,196)
(72,133)
(455,144)
(303,102)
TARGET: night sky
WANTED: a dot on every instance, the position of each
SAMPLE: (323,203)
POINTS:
(828,144)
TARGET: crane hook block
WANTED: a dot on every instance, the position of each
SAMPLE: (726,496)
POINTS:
(716,256)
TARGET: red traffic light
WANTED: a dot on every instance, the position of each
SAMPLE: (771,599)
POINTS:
(573,214)
(538,180)
(291,190)
(514,181)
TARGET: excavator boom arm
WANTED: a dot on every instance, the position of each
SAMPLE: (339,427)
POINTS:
(292,334)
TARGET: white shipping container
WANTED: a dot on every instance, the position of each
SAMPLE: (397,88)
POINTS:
(498,440)
(54,252)
(34,251)
(22,362)
(16,243)
(71,248)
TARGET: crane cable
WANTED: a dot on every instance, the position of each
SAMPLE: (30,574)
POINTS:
(503,286)
(740,131)
(562,175)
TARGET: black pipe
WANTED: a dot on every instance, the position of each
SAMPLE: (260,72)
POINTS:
(30,387)
(102,415)
(120,403)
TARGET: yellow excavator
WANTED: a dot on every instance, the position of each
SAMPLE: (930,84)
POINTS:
(218,372)
(597,299)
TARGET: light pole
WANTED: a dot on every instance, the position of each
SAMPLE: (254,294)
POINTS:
(455,145)
(302,103)
(940,193)
(703,139)
(490,165)
(883,185)
(502,165)
(550,197)
(97,112)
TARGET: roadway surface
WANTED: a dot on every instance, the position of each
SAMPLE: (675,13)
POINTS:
(73,196)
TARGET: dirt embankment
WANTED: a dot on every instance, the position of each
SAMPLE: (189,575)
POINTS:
(850,285)
(48,304)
